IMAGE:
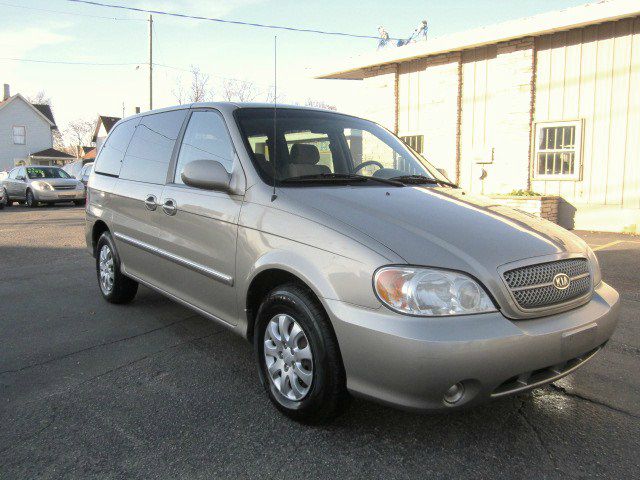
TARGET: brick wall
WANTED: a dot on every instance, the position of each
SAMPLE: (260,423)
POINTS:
(544,207)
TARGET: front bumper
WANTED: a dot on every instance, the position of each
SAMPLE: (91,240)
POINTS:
(410,362)
(59,195)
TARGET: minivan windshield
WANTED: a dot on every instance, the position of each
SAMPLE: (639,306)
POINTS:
(314,146)
(46,172)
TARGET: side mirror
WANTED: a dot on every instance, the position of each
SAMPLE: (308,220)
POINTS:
(206,174)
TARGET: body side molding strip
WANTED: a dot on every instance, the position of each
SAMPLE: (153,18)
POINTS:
(196,267)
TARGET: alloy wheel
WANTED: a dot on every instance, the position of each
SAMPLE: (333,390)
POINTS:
(106,269)
(288,357)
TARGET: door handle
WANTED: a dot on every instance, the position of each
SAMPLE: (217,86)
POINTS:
(150,202)
(169,206)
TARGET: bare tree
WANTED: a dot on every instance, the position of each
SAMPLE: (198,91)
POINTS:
(197,91)
(79,133)
(235,90)
(58,139)
(270,95)
(310,102)
(178,91)
(40,98)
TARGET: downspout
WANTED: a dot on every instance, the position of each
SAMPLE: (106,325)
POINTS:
(532,111)
(396,97)
(459,121)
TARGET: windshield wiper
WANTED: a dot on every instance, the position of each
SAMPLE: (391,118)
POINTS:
(418,179)
(340,177)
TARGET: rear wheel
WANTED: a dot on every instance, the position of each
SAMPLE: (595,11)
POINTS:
(31,200)
(114,286)
(298,356)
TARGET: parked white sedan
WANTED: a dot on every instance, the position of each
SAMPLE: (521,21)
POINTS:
(35,184)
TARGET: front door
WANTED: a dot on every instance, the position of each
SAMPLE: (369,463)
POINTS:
(200,227)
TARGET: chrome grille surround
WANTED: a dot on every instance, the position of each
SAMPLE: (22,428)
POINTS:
(532,286)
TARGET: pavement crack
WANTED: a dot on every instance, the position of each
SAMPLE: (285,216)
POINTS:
(624,348)
(536,433)
(33,435)
(564,391)
(157,352)
(104,344)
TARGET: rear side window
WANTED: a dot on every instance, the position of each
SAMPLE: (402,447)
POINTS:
(149,152)
(111,154)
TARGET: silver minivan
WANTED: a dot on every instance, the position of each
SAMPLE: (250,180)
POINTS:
(349,262)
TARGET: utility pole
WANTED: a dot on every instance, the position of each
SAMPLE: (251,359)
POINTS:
(150,62)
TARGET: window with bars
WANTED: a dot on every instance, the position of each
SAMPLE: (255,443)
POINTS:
(414,141)
(557,154)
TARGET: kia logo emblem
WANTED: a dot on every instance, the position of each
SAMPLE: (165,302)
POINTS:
(561,281)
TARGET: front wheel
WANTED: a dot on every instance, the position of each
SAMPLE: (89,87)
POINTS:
(31,200)
(114,286)
(298,356)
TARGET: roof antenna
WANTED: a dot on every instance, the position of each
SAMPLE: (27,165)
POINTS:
(275,112)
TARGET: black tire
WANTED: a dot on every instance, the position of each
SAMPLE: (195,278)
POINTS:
(123,289)
(327,396)
(31,200)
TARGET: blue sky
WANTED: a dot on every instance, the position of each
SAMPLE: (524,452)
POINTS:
(219,50)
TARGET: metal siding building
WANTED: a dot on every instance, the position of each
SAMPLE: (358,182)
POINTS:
(549,103)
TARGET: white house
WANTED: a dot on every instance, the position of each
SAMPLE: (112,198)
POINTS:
(26,133)
(103,127)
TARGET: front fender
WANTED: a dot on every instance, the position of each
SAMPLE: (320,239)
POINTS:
(329,275)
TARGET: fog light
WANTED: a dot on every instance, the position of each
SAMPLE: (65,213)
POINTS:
(455,393)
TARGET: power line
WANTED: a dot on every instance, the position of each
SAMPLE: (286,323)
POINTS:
(46,10)
(62,62)
(220,20)
(162,65)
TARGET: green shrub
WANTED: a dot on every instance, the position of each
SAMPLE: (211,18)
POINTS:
(524,193)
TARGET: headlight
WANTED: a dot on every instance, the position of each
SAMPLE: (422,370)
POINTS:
(42,186)
(595,267)
(430,292)
(80,186)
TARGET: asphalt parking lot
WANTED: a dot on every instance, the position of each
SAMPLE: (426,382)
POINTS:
(151,390)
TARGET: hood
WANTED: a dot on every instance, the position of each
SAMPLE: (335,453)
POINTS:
(440,227)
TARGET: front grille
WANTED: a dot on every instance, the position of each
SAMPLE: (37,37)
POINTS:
(532,286)
(64,187)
